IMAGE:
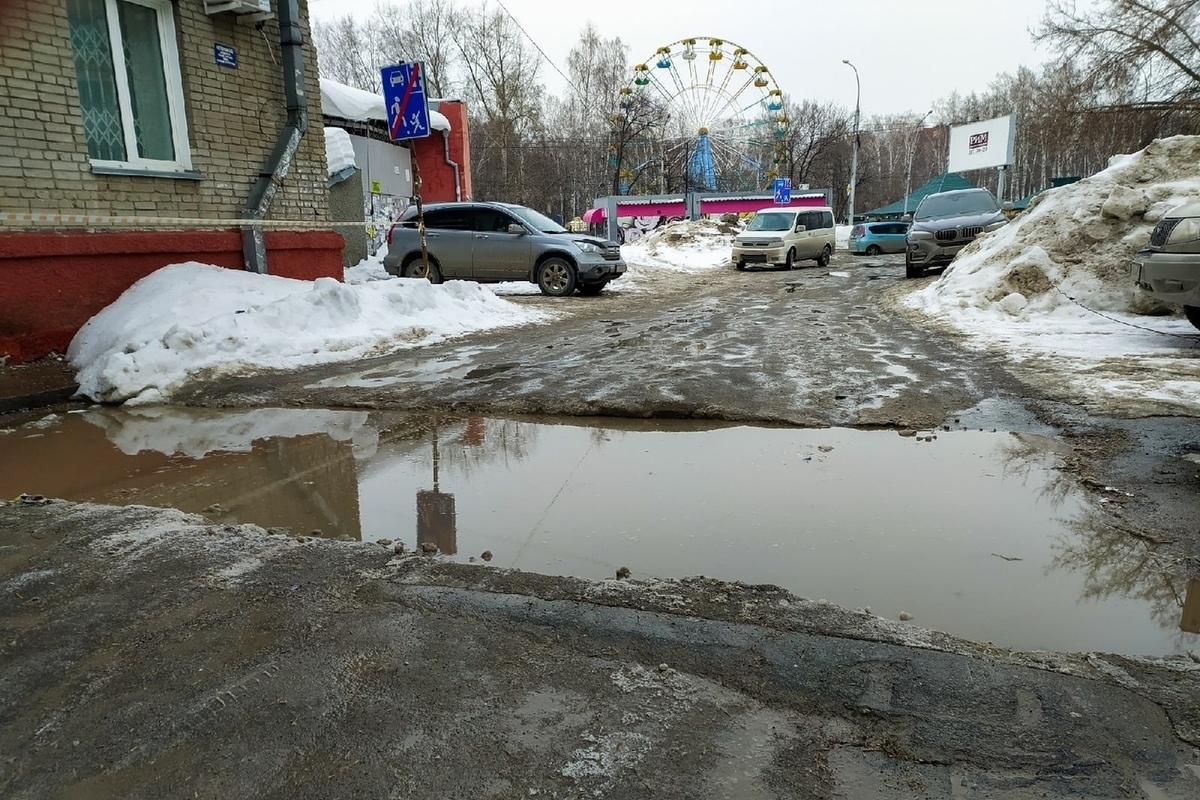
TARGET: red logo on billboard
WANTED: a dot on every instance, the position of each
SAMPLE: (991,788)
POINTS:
(978,143)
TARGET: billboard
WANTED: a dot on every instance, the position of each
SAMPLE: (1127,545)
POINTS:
(978,145)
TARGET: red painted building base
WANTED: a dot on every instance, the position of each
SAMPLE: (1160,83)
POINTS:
(52,283)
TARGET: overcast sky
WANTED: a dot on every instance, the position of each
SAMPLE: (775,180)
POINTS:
(909,53)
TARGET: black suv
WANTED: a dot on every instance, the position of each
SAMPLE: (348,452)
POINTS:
(945,223)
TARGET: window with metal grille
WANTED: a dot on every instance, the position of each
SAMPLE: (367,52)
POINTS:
(130,92)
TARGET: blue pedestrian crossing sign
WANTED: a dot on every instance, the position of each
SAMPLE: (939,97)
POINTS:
(406,101)
(783,191)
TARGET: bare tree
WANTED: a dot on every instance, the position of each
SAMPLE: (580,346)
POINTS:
(500,68)
(346,53)
(597,68)
(426,34)
(1136,51)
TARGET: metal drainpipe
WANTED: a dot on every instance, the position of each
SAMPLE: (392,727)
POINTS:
(270,178)
(457,182)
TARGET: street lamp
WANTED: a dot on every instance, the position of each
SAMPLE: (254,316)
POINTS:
(912,151)
(854,158)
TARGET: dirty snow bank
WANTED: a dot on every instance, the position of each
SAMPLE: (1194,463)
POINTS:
(1001,290)
(193,318)
(685,246)
(1080,238)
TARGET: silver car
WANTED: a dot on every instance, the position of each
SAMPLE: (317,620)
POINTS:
(1169,267)
(493,242)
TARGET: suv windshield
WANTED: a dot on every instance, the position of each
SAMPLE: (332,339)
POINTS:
(539,221)
(937,206)
(771,221)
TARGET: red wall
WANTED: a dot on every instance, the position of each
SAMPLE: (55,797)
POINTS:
(429,153)
(52,283)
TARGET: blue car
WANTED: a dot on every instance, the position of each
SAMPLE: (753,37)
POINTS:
(874,238)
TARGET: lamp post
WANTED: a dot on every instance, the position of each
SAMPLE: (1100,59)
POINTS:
(854,158)
(912,151)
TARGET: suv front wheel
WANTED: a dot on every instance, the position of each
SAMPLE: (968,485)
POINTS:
(556,277)
(911,270)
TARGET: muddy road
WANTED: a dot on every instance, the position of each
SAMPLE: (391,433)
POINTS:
(811,347)
(148,652)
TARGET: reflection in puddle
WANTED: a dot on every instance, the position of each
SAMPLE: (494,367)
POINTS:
(969,532)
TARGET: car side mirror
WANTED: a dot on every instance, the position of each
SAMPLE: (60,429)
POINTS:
(1008,206)
(907,218)
(515,228)
(800,229)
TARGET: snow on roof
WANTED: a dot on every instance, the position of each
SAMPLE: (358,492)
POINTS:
(339,153)
(340,100)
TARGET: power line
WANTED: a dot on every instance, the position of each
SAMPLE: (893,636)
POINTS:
(538,47)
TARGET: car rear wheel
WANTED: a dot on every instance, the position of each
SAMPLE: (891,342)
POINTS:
(874,250)
(1193,315)
(416,269)
(556,277)
(823,259)
(789,261)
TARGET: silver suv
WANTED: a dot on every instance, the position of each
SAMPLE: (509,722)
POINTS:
(1169,267)
(492,242)
(945,223)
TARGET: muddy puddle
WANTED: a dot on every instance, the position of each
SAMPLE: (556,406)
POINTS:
(970,532)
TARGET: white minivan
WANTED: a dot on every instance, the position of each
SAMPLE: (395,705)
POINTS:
(781,236)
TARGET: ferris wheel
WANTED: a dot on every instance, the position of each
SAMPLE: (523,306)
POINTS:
(701,114)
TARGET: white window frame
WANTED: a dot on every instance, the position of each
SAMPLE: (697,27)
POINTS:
(174,82)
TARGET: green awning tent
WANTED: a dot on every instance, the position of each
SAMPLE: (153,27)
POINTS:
(1023,203)
(947,181)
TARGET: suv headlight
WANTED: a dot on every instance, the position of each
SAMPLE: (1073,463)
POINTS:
(590,247)
(1188,230)
(920,234)
(995,226)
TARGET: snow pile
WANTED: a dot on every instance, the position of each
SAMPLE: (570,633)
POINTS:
(1010,291)
(684,246)
(1078,238)
(190,318)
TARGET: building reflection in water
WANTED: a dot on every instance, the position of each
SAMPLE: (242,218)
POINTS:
(1189,619)
(273,468)
(436,520)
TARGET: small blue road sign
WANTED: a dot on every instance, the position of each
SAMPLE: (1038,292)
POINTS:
(406,101)
(783,191)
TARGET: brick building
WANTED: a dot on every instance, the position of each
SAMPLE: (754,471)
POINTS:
(116,114)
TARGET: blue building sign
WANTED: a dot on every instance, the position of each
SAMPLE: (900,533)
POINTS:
(406,101)
(224,55)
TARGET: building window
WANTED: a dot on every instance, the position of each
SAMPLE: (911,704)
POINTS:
(130,92)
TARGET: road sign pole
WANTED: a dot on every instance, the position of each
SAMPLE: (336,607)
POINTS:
(416,173)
